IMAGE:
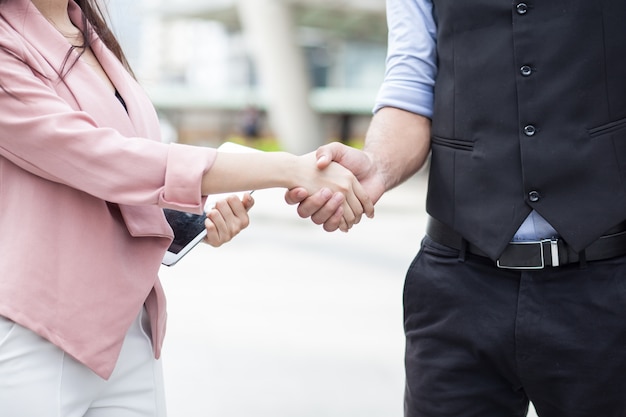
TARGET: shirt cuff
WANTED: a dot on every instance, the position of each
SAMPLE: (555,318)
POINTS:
(416,99)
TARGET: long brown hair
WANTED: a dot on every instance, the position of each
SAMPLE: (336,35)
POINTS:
(92,13)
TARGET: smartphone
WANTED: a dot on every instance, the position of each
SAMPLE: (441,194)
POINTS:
(188,230)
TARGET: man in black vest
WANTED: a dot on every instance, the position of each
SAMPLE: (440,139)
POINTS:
(519,291)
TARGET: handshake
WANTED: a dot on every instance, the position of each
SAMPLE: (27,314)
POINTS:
(334,186)
(344,207)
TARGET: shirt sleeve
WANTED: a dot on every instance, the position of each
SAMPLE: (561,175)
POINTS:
(411,64)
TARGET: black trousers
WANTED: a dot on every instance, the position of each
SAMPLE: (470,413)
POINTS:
(482,341)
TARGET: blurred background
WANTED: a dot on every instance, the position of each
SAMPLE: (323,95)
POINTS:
(287,73)
(286,320)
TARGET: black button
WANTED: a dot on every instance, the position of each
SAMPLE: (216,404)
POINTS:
(534,196)
(526,70)
(521,8)
(530,130)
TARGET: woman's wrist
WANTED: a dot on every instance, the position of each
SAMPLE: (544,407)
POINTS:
(286,170)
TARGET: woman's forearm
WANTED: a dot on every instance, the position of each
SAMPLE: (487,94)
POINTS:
(233,172)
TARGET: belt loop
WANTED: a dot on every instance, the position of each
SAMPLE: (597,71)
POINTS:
(582,259)
(463,250)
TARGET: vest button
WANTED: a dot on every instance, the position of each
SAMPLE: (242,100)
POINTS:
(534,196)
(521,8)
(530,130)
(525,70)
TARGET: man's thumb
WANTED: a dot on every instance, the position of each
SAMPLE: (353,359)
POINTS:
(327,154)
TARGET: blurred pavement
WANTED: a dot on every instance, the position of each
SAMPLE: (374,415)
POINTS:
(290,321)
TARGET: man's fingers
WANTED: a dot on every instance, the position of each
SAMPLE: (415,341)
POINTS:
(329,153)
(315,203)
(326,212)
(336,221)
(296,195)
(361,200)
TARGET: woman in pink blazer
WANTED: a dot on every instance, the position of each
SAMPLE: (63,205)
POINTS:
(83,181)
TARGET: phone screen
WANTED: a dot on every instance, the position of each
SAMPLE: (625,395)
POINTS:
(188,230)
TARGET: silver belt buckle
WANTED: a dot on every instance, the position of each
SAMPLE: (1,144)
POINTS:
(541,263)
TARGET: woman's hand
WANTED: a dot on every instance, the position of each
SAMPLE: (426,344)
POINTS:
(227,219)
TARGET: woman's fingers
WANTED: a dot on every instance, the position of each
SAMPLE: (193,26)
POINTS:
(227,219)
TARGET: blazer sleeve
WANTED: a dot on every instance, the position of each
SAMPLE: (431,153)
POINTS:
(42,134)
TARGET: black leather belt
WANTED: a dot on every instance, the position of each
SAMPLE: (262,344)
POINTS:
(536,254)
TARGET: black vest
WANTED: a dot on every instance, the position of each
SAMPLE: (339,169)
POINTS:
(530,113)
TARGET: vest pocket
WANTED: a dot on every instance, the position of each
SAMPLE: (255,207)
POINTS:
(458,144)
(610,138)
(608,128)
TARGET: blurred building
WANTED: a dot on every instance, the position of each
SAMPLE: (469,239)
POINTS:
(301,71)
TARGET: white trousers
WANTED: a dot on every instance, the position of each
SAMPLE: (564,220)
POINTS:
(37,379)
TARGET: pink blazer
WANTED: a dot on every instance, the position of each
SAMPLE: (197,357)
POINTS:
(82,184)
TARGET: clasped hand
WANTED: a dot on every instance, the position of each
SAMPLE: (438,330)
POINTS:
(323,207)
(338,186)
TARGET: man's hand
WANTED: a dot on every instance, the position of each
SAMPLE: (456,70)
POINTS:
(227,219)
(397,144)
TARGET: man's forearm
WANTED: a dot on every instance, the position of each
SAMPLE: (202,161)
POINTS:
(399,143)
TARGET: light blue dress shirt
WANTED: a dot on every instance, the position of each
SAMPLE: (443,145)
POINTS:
(410,78)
